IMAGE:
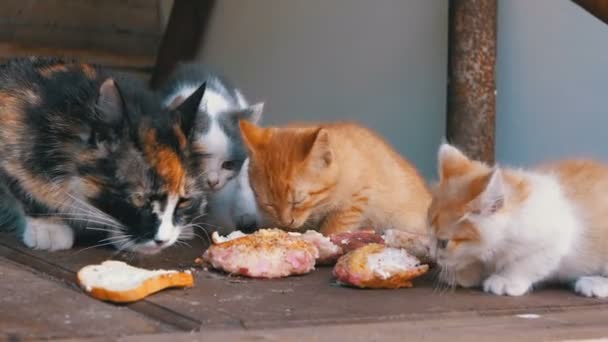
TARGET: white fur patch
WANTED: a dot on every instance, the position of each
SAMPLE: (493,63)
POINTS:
(167,231)
(592,286)
(47,235)
(500,285)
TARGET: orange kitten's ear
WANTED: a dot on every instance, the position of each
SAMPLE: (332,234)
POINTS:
(452,162)
(492,198)
(320,151)
(254,137)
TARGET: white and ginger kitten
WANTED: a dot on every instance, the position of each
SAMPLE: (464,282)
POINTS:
(508,230)
(231,204)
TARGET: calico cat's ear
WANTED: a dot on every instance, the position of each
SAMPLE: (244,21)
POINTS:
(452,162)
(188,109)
(492,198)
(251,113)
(320,153)
(254,136)
(110,103)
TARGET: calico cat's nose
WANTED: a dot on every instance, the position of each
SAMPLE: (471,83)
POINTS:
(161,242)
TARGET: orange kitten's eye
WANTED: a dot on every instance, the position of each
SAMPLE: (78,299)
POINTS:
(442,243)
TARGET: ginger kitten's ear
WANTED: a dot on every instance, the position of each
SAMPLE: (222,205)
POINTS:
(320,150)
(253,136)
(452,162)
(492,198)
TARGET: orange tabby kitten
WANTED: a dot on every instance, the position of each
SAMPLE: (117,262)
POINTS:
(334,178)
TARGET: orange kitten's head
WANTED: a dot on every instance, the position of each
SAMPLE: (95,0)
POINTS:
(292,170)
(470,208)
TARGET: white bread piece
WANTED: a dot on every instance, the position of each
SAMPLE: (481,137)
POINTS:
(217,238)
(119,282)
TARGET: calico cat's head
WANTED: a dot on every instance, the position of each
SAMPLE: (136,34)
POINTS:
(292,171)
(471,207)
(218,131)
(147,176)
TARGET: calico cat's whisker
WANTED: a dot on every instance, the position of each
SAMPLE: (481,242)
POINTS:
(92,209)
(199,216)
(100,245)
(99,229)
(183,243)
(81,217)
(117,238)
(192,225)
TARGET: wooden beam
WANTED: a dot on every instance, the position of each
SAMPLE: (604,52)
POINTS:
(471,77)
(598,8)
(183,36)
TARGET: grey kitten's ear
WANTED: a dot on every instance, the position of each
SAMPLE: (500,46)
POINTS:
(187,110)
(110,102)
(252,114)
(256,112)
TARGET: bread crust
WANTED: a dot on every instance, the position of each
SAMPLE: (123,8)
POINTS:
(148,287)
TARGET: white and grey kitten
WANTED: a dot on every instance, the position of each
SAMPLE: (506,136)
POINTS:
(231,202)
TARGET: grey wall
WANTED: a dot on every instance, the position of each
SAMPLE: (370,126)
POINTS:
(380,62)
(552,82)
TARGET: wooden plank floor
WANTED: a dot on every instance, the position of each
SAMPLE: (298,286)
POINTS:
(238,308)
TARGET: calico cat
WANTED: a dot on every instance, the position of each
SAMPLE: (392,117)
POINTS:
(333,177)
(231,204)
(508,230)
(85,150)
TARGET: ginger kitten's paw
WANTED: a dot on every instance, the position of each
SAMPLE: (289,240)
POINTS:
(596,286)
(47,235)
(500,285)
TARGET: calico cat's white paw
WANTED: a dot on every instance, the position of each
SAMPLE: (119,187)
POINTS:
(47,235)
(500,285)
(596,286)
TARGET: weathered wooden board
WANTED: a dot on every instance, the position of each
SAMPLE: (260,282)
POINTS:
(127,27)
(230,303)
(32,306)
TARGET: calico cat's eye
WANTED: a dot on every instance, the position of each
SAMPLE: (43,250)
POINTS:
(442,243)
(184,202)
(229,165)
(138,200)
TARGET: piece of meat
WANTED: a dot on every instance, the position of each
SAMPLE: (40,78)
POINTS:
(267,253)
(416,244)
(349,241)
(378,266)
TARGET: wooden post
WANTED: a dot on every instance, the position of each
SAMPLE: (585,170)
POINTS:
(598,8)
(471,77)
(183,36)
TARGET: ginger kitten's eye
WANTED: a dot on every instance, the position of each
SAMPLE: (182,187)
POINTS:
(229,165)
(442,243)
(138,200)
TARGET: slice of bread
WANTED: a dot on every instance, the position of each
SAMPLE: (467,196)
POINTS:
(119,282)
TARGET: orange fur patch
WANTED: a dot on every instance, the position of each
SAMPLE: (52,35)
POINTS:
(88,71)
(48,71)
(166,162)
(181,138)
